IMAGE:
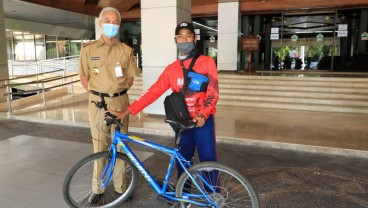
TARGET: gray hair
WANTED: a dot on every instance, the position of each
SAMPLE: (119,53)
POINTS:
(108,9)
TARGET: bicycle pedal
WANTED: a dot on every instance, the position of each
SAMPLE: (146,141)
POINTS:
(165,200)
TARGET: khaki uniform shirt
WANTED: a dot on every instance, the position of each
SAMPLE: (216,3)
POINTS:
(101,64)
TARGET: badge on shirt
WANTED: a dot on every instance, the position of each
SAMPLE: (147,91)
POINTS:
(95,58)
(118,70)
(96,71)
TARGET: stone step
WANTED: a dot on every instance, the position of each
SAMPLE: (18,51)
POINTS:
(296,100)
(246,87)
(284,93)
(291,106)
(292,83)
(293,78)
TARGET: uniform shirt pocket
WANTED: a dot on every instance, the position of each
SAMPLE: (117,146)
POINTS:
(95,67)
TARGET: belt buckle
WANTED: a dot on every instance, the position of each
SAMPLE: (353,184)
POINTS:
(111,94)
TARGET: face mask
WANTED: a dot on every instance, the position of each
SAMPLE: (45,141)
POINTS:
(185,48)
(110,30)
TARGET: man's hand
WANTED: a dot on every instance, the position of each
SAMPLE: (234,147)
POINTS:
(200,119)
(120,114)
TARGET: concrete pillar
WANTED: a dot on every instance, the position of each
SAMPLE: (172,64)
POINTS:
(228,36)
(4,72)
(98,30)
(159,19)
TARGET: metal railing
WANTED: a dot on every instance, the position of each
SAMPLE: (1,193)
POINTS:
(42,89)
(16,68)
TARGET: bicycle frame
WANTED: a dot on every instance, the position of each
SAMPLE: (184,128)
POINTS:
(120,141)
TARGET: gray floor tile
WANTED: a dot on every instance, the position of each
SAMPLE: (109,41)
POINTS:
(33,170)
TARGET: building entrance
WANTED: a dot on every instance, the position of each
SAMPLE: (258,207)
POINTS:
(304,42)
(322,40)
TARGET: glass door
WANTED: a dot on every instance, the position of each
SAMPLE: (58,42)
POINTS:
(306,41)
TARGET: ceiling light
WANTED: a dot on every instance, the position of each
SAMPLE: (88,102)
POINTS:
(210,28)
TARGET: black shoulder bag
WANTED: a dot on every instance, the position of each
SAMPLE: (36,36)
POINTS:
(175,105)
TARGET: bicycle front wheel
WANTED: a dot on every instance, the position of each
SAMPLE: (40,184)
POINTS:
(83,180)
(224,186)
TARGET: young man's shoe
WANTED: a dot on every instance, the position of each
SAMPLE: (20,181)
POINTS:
(94,198)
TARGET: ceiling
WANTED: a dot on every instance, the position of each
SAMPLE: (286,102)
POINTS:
(80,13)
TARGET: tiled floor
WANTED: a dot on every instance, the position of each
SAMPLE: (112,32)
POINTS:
(33,170)
(340,133)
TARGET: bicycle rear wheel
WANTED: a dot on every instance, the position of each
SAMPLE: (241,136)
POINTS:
(77,186)
(223,185)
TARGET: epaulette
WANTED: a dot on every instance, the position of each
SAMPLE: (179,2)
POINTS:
(88,43)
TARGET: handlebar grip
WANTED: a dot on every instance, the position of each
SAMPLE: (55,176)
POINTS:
(112,119)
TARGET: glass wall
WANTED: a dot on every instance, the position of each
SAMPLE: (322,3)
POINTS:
(23,46)
(333,40)
(51,51)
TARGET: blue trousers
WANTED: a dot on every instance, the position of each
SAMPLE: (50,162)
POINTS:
(203,138)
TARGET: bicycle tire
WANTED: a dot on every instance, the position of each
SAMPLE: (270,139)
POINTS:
(77,185)
(229,187)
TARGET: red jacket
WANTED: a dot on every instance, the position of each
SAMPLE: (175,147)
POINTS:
(172,77)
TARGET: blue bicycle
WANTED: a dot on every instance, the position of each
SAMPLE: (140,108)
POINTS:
(205,184)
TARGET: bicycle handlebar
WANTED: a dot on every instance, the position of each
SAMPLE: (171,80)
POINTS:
(109,118)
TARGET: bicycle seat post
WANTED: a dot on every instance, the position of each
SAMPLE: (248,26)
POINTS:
(178,138)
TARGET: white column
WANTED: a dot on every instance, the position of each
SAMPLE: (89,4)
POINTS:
(4,73)
(228,36)
(159,19)
(98,30)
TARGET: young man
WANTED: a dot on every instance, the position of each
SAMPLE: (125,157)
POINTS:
(106,68)
(201,105)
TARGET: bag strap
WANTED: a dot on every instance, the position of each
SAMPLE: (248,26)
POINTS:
(185,71)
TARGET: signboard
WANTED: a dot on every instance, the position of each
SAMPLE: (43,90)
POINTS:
(274,30)
(319,37)
(342,33)
(343,27)
(294,38)
(274,36)
(198,33)
(212,39)
(364,36)
(250,43)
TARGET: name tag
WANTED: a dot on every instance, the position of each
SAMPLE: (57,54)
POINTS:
(118,70)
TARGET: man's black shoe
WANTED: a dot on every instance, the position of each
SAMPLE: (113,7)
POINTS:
(94,198)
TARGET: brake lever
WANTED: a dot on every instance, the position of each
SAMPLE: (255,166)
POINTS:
(109,118)
(99,105)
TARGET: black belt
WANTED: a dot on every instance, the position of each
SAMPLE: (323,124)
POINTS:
(109,94)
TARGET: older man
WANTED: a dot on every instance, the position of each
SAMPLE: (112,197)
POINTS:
(107,68)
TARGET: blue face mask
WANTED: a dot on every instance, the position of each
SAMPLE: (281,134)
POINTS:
(110,30)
